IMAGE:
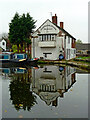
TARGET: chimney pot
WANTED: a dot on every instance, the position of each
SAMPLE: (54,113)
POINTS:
(54,19)
(61,25)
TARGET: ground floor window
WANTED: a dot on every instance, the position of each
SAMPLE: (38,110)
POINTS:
(74,51)
(67,53)
(88,52)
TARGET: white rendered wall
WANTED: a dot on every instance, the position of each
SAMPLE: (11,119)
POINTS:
(69,46)
(54,50)
(39,48)
(3,46)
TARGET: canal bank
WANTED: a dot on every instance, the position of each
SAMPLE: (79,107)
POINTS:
(74,63)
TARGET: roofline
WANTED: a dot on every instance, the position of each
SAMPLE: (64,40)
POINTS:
(40,26)
(59,28)
(65,31)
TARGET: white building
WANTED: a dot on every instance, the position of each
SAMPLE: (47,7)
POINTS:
(50,41)
(3,44)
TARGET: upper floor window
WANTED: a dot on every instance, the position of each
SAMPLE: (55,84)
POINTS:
(47,37)
(68,39)
(72,40)
(53,37)
(44,37)
(3,43)
(65,36)
(40,38)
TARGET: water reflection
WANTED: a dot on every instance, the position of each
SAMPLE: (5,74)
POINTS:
(20,94)
(48,82)
(51,82)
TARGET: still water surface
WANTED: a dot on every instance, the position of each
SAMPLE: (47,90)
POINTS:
(44,92)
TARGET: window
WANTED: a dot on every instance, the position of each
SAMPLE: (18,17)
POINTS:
(65,36)
(5,56)
(20,56)
(40,38)
(47,37)
(88,52)
(53,37)
(44,37)
(72,40)
(68,39)
(67,53)
(3,43)
(45,69)
(74,51)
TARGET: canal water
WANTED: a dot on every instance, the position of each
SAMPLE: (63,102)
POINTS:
(44,92)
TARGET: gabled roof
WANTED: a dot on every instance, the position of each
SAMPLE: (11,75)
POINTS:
(63,30)
(67,33)
(1,40)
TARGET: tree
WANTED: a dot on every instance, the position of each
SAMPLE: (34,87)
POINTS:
(20,30)
(78,41)
(14,48)
(28,41)
(13,31)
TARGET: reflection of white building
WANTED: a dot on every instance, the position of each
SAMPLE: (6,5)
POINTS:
(50,41)
(3,44)
(51,82)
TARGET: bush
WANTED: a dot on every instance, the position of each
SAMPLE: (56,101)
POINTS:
(14,48)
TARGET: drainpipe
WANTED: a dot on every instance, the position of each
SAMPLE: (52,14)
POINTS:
(33,48)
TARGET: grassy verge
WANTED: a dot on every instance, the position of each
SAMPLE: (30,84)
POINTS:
(82,57)
(80,64)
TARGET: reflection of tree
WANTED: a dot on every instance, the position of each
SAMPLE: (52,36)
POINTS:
(21,96)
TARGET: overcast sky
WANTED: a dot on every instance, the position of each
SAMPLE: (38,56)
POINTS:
(74,14)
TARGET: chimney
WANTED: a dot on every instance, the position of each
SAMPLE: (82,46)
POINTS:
(61,25)
(54,19)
